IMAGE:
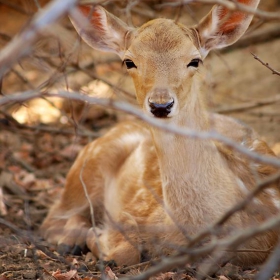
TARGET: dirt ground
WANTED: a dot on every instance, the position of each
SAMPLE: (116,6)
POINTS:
(40,139)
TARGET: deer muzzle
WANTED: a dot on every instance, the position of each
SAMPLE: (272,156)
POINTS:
(160,103)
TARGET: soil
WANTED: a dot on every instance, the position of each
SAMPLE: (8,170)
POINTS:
(40,139)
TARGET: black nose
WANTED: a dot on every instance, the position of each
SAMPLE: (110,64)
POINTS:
(161,110)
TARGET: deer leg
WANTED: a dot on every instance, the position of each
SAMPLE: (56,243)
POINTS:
(112,245)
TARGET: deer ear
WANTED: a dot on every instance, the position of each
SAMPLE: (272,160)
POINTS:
(100,29)
(222,27)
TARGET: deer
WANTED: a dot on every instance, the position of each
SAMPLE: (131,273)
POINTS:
(151,190)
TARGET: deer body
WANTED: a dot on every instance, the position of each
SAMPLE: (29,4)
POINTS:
(153,190)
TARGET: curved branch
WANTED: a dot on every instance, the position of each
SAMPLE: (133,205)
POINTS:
(130,109)
(21,44)
(231,5)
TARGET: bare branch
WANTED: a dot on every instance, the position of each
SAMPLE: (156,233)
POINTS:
(53,130)
(92,216)
(266,65)
(134,266)
(113,86)
(166,264)
(237,207)
(26,235)
(231,5)
(262,35)
(271,265)
(231,242)
(130,109)
(248,105)
(21,45)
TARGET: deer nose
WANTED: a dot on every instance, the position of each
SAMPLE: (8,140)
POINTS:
(161,110)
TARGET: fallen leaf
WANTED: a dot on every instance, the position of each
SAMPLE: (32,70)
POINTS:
(110,274)
(70,275)
(40,254)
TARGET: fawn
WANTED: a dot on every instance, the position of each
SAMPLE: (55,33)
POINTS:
(152,190)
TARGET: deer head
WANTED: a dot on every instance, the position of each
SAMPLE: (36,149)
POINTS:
(162,56)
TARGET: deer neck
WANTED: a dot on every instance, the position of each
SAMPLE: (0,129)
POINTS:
(191,169)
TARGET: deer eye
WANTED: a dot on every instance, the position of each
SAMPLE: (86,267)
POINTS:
(129,64)
(194,62)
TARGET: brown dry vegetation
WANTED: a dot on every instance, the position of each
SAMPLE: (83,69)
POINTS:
(40,138)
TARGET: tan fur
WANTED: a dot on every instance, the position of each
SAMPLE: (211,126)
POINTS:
(153,190)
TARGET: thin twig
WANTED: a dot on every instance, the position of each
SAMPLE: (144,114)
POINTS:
(271,265)
(26,235)
(22,44)
(266,65)
(248,105)
(166,264)
(237,207)
(92,216)
(262,35)
(114,87)
(134,266)
(233,241)
(53,130)
(230,5)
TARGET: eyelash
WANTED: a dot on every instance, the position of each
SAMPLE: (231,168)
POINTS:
(129,64)
(194,62)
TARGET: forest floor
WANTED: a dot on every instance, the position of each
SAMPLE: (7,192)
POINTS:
(37,149)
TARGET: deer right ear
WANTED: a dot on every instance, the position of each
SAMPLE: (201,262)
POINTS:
(222,27)
(100,29)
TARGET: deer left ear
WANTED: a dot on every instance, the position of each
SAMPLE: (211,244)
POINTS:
(100,29)
(222,27)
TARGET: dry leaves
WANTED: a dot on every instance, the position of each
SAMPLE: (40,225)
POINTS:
(73,275)
(173,276)
(110,274)
(70,275)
